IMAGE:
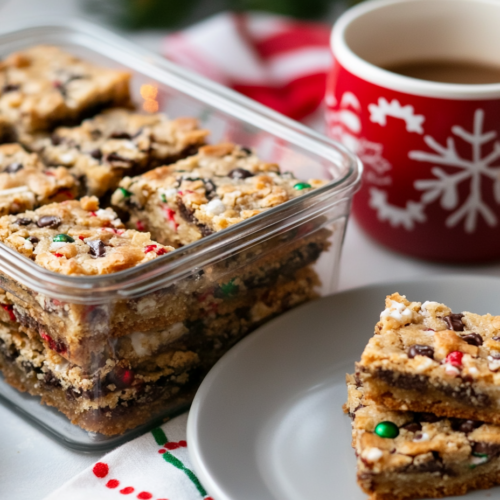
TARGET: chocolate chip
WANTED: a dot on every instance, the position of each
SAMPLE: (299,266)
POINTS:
(239,173)
(111,157)
(96,153)
(10,87)
(427,417)
(413,427)
(120,135)
(454,322)
(97,248)
(210,188)
(485,448)
(473,339)
(56,140)
(13,167)
(421,350)
(33,240)
(23,221)
(50,380)
(246,150)
(465,426)
(49,221)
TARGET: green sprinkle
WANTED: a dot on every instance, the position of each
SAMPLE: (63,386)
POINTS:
(482,455)
(125,192)
(163,198)
(301,185)
(63,238)
(229,289)
(387,430)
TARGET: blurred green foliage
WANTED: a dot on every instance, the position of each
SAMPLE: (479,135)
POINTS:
(138,14)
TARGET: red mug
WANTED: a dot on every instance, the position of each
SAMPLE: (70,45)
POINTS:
(431,151)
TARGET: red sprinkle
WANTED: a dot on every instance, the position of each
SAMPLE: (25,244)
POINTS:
(93,214)
(455,358)
(140,226)
(100,468)
(113,483)
(204,296)
(55,346)
(144,495)
(49,173)
(67,193)
(128,377)
(81,237)
(161,251)
(149,248)
(170,215)
(58,255)
(127,490)
(9,308)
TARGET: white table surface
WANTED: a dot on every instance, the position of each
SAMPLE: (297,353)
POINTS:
(31,464)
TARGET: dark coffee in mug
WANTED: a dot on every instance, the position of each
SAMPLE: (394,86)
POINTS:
(447,71)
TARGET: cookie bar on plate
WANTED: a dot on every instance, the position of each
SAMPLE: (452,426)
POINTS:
(26,183)
(118,142)
(220,186)
(424,357)
(407,455)
(44,86)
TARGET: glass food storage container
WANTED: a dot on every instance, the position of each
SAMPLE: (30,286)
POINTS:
(117,353)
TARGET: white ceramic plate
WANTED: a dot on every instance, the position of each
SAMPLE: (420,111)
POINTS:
(267,422)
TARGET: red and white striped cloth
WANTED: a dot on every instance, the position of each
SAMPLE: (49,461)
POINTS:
(277,61)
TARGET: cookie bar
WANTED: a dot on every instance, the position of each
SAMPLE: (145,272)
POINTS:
(403,455)
(149,373)
(205,193)
(424,357)
(118,142)
(44,86)
(78,238)
(25,182)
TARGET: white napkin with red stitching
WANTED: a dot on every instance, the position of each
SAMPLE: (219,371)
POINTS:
(281,63)
(155,466)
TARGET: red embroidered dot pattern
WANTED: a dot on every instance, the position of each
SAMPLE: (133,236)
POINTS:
(173,445)
(101,469)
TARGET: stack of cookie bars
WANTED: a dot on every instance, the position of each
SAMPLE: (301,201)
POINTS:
(424,403)
(89,187)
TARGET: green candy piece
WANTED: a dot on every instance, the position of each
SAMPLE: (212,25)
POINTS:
(301,185)
(387,430)
(229,289)
(163,198)
(125,192)
(63,238)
